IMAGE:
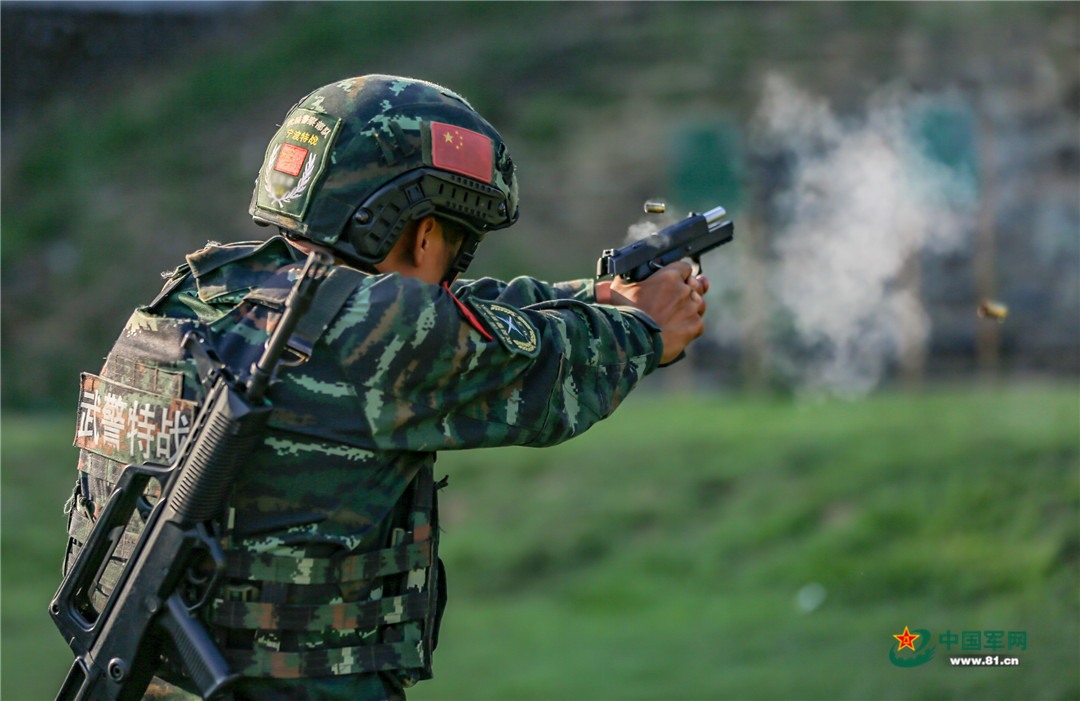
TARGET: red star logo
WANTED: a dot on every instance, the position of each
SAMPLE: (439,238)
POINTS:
(906,640)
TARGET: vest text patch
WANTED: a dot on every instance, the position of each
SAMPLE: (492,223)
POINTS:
(130,425)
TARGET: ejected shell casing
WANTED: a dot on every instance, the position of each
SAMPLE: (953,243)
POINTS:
(993,310)
(655,207)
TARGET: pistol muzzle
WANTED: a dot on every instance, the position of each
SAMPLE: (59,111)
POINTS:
(715,218)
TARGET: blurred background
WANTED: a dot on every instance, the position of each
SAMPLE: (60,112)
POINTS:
(853,448)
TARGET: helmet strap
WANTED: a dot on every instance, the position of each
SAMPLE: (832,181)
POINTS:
(465,254)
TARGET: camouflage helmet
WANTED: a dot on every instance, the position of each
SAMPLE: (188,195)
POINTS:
(355,161)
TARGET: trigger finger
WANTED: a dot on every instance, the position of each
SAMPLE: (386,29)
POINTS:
(684,269)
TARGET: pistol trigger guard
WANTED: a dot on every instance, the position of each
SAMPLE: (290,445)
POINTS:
(695,261)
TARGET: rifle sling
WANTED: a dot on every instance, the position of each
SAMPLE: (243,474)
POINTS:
(331,297)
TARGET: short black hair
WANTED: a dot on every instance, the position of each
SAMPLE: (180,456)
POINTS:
(454,232)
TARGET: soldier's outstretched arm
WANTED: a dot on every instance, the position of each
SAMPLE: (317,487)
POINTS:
(675,300)
(431,372)
(523,291)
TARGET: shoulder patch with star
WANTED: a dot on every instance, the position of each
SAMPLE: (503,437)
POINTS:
(506,323)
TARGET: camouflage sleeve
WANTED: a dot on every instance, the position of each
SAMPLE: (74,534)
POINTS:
(523,291)
(426,377)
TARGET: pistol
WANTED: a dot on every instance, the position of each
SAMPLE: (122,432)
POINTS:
(690,238)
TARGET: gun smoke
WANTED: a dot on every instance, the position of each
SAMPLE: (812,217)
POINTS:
(861,204)
(648,226)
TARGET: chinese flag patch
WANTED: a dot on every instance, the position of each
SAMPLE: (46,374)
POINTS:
(461,151)
(291,159)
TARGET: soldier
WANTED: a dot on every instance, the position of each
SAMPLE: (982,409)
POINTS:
(334,588)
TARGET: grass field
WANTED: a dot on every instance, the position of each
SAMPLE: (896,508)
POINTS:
(663,554)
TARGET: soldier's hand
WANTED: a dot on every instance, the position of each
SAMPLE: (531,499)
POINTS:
(674,297)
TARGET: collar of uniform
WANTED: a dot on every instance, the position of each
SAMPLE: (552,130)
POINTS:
(207,263)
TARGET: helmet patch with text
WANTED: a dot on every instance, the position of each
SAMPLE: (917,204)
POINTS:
(295,160)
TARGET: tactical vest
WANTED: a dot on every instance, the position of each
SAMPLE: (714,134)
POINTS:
(309,613)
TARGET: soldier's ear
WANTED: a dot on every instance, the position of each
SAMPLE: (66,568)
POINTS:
(423,245)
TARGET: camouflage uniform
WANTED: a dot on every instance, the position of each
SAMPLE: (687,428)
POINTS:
(335,586)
